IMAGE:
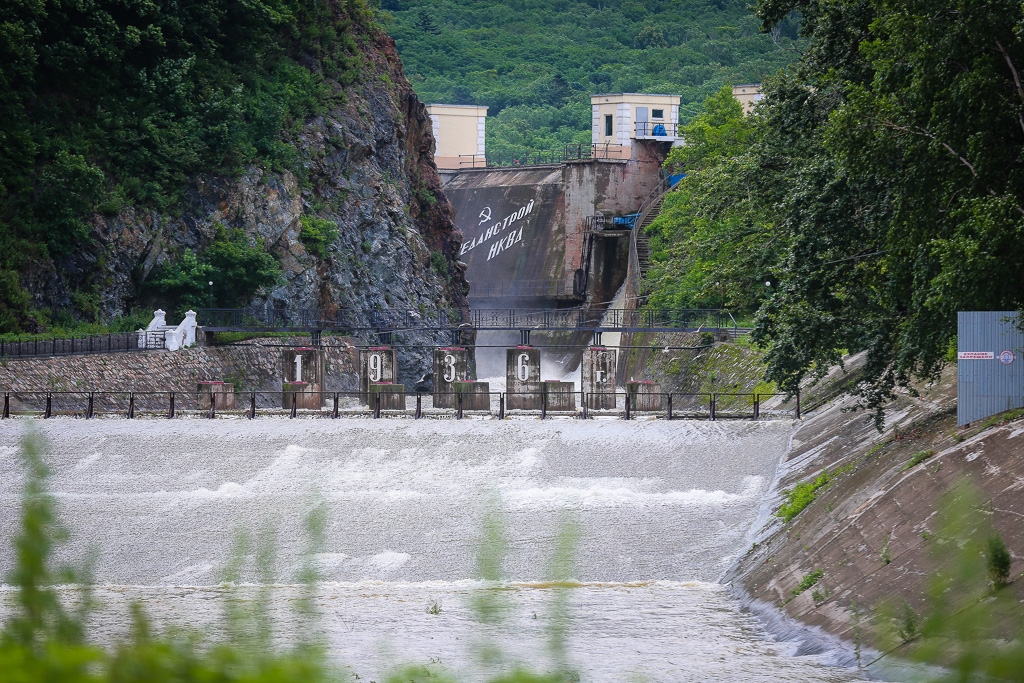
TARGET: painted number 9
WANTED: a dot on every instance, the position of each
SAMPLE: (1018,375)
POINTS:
(375,368)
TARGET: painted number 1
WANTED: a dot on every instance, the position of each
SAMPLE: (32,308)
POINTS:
(298,368)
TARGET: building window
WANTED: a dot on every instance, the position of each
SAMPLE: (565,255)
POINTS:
(657,113)
(608,125)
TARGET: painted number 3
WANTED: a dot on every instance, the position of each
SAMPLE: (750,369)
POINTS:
(449,368)
(375,368)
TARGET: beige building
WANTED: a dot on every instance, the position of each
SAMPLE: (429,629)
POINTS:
(748,95)
(621,118)
(458,135)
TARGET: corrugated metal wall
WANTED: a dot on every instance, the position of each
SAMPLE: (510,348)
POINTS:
(990,364)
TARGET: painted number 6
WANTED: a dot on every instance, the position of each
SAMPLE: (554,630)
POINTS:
(523,369)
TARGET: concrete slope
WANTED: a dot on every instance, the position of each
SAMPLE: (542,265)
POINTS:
(872,532)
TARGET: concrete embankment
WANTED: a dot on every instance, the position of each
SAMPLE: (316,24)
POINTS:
(873,532)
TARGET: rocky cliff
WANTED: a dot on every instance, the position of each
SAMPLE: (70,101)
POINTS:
(366,165)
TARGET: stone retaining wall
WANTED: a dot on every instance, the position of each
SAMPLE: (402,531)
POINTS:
(252,366)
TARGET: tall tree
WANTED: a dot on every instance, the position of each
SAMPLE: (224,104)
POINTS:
(898,138)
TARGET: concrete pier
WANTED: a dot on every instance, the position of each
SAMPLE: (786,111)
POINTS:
(475,395)
(376,366)
(598,377)
(645,396)
(561,396)
(306,396)
(451,366)
(392,396)
(522,378)
(221,394)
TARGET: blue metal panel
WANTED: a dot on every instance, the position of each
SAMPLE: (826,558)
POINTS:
(990,364)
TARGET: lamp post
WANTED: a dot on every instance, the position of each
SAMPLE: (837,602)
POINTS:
(209,296)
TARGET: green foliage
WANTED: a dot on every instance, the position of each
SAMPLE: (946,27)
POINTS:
(997,560)
(711,245)
(897,143)
(440,265)
(804,493)
(917,458)
(104,105)
(457,52)
(971,631)
(317,234)
(14,303)
(808,581)
(236,269)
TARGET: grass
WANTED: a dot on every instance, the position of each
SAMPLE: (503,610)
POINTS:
(808,581)
(916,459)
(804,493)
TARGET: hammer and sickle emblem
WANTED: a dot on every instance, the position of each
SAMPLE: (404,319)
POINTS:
(485,215)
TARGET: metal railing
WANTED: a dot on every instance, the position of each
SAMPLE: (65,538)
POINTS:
(612,222)
(660,130)
(579,152)
(655,320)
(85,344)
(335,404)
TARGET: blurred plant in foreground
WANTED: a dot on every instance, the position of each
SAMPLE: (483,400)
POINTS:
(973,626)
(46,642)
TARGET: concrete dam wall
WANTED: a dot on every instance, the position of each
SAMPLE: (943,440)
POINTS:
(526,233)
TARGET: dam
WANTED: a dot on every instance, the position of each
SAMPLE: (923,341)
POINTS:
(660,509)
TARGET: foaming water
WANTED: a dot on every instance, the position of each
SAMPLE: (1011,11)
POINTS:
(662,508)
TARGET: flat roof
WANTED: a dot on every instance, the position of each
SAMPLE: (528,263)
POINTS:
(459,106)
(637,94)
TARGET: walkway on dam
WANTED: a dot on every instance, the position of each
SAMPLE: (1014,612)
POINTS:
(660,509)
(313,320)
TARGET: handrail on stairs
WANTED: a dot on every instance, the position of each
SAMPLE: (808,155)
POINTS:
(633,268)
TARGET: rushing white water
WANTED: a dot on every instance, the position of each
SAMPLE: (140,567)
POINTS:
(662,508)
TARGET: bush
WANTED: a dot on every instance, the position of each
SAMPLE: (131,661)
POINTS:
(997,559)
(317,234)
(236,269)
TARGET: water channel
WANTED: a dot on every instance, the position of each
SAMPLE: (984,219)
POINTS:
(661,508)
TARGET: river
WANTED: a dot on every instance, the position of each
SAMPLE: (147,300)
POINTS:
(661,508)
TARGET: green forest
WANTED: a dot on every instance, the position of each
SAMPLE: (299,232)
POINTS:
(877,190)
(535,63)
(105,105)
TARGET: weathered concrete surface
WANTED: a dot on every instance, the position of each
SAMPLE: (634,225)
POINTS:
(543,248)
(873,531)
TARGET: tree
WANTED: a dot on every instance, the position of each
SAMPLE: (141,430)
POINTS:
(425,23)
(898,138)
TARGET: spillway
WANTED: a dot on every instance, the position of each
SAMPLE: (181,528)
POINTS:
(661,509)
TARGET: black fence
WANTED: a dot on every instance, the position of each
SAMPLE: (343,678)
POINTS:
(653,320)
(251,404)
(551,157)
(93,343)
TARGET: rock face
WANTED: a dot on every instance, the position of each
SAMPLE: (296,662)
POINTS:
(367,166)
